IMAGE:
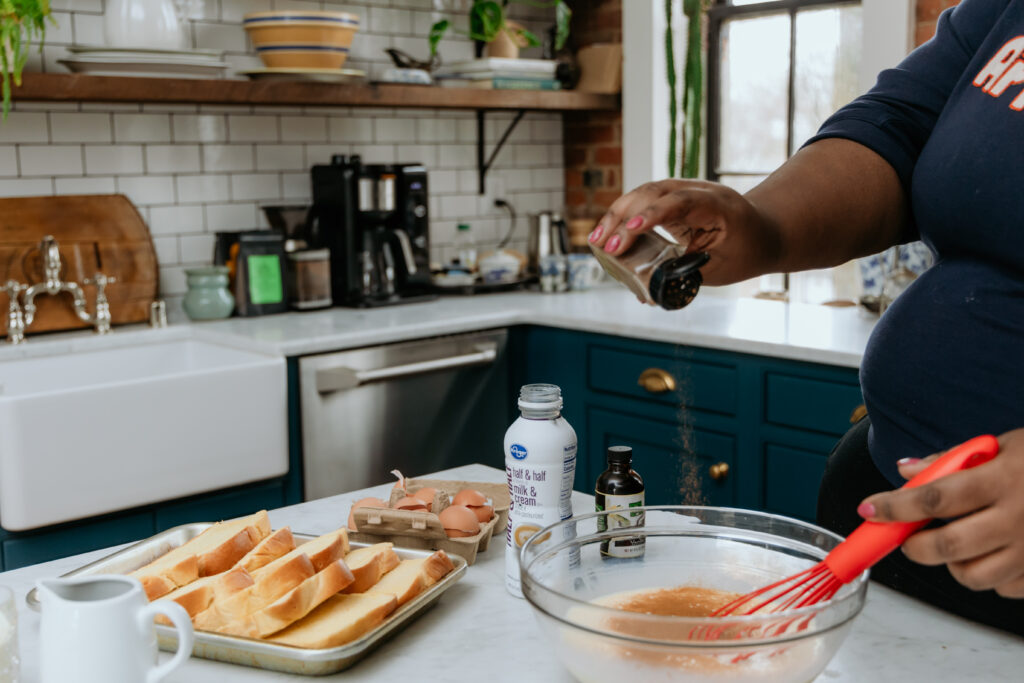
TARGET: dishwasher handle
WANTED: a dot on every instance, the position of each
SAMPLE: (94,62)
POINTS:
(343,378)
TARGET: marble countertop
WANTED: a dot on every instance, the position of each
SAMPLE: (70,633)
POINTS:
(834,336)
(481,626)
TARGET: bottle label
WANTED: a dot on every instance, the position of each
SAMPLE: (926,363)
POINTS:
(628,517)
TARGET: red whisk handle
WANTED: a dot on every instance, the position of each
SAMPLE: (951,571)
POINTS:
(872,541)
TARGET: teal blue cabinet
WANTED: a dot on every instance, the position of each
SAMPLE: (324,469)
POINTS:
(708,426)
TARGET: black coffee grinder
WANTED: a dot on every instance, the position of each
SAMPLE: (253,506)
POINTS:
(374,220)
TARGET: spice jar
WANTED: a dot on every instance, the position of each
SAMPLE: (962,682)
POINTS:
(310,274)
(657,269)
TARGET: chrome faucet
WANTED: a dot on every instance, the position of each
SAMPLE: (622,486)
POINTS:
(53,285)
(15,317)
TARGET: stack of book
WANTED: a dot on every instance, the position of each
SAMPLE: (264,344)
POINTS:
(496,73)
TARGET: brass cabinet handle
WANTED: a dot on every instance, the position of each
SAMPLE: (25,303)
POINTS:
(657,381)
(858,413)
(719,471)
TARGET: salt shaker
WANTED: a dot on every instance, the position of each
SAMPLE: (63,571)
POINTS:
(657,269)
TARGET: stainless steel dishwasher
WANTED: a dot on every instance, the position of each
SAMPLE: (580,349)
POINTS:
(417,406)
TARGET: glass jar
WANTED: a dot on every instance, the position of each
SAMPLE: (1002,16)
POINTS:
(208,297)
(657,269)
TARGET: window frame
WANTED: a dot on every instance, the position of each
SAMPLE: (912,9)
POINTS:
(719,12)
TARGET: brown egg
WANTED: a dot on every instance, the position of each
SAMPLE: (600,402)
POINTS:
(483,513)
(410,503)
(364,503)
(459,521)
(426,494)
(469,498)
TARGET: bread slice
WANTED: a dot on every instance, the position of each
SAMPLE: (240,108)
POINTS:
(339,620)
(267,587)
(369,564)
(269,549)
(201,593)
(412,577)
(294,605)
(211,552)
(321,551)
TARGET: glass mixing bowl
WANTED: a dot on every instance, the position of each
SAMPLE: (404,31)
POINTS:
(565,577)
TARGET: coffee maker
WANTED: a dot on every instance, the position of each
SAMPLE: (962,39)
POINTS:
(373,218)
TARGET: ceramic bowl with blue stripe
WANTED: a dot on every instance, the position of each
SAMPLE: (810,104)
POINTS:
(302,38)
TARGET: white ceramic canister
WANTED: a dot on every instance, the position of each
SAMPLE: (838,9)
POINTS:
(99,629)
(540,463)
(154,24)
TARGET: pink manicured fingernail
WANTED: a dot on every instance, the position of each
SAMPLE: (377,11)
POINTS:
(635,223)
(613,244)
(907,461)
(866,510)
(596,235)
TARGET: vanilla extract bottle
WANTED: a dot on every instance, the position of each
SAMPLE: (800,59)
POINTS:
(619,492)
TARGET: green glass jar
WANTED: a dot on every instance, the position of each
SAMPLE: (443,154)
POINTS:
(208,297)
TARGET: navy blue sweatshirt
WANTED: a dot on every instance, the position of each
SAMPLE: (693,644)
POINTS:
(946,361)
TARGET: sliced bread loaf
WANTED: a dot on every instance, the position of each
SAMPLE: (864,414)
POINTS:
(201,593)
(269,549)
(339,620)
(321,551)
(369,564)
(412,577)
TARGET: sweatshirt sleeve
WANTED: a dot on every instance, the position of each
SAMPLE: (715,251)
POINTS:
(895,118)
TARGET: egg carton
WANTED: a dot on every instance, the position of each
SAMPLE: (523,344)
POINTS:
(422,530)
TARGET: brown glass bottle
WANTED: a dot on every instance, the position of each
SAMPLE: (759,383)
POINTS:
(620,488)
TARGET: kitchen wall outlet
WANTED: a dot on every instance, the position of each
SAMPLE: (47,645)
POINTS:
(495,189)
(593,177)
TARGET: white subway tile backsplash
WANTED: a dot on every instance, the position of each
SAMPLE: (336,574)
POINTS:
(86,185)
(280,157)
(113,159)
(147,190)
(88,29)
(219,36)
(255,186)
(172,281)
(530,155)
(234,10)
(435,130)
(443,182)
(199,128)
(8,160)
(198,189)
(230,217)
(50,160)
(376,154)
(174,220)
(179,158)
(457,156)
(25,187)
(296,186)
(22,126)
(227,158)
(80,127)
(390,21)
(166,250)
(256,128)
(196,249)
(142,128)
(354,129)
(394,130)
(422,154)
(303,128)
(59,32)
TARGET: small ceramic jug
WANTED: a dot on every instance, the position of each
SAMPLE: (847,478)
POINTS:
(154,24)
(208,297)
(99,629)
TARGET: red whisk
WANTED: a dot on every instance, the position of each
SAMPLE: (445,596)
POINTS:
(868,544)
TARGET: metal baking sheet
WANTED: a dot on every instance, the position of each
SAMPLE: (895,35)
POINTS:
(257,653)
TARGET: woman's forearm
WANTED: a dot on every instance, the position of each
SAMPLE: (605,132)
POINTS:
(832,201)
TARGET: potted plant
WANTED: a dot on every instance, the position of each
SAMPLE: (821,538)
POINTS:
(489,24)
(21,22)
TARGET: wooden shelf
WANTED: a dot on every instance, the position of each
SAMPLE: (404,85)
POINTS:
(83,88)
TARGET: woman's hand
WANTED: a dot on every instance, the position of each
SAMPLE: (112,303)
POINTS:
(984,547)
(711,217)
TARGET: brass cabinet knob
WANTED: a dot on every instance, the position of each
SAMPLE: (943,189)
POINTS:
(858,413)
(719,471)
(657,381)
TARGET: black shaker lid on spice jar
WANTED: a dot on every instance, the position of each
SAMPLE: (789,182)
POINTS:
(620,454)
(675,283)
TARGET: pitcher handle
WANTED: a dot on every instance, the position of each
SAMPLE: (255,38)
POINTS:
(182,624)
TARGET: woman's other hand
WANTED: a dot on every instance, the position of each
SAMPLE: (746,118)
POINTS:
(708,216)
(984,546)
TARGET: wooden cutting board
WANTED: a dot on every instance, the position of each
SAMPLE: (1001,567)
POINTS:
(94,233)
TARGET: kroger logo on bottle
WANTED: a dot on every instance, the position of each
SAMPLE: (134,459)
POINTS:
(518,452)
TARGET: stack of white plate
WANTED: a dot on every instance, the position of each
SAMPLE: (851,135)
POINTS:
(118,61)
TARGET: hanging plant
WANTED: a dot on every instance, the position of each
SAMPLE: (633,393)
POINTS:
(693,87)
(488,20)
(21,22)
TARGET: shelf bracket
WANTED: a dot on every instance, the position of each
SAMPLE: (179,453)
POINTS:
(483,162)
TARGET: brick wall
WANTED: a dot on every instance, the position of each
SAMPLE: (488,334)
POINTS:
(928,12)
(193,170)
(593,141)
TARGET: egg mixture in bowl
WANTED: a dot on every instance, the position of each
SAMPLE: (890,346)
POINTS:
(648,618)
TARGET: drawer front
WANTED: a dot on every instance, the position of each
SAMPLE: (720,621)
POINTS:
(218,506)
(791,480)
(671,381)
(810,404)
(675,463)
(23,550)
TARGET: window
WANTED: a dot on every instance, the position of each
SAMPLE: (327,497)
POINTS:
(776,70)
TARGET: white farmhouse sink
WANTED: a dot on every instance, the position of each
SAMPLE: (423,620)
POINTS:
(86,433)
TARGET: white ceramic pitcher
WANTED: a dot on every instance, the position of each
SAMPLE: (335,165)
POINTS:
(99,629)
(144,24)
